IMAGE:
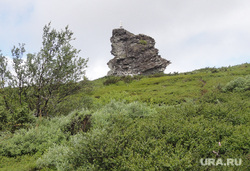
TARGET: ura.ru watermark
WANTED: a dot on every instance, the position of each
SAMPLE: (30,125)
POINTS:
(220,162)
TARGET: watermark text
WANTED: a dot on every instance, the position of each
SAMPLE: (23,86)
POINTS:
(220,162)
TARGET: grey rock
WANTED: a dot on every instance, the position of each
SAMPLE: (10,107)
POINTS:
(134,55)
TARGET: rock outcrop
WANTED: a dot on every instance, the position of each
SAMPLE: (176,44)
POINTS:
(134,55)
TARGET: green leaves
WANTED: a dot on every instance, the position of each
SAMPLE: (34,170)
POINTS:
(239,84)
(56,65)
(134,136)
(4,73)
(59,58)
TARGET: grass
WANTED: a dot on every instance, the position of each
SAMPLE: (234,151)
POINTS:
(20,163)
(170,90)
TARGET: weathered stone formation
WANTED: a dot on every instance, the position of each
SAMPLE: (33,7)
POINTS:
(134,55)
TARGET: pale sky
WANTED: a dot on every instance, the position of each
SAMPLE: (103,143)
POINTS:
(192,34)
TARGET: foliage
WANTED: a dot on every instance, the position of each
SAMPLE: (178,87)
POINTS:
(75,100)
(71,103)
(111,80)
(19,163)
(238,84)
(56,65)
(46,79)
(170,90)
(3,117)
(152,123)
(143,42)
(31,141)
(126,79)
(174,73)
(19,118)
(102,121)
(137,137)
(44,135)
(20,79)
(161,74)
(79,121)
(4,73)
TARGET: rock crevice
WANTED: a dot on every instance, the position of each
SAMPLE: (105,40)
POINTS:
(134,54)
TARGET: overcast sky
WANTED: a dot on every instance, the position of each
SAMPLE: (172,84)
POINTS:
(192,34)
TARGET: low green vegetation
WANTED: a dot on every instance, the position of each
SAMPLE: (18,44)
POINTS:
(53,118)
(157,122)
(143,42)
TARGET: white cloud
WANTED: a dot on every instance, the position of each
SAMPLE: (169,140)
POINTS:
(192,34)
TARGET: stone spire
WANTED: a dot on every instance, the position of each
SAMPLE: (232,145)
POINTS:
(134,54)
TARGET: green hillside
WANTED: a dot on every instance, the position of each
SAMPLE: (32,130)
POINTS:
(158,122)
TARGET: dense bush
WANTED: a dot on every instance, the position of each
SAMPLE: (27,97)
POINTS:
(126,79)
(71,103)
(238,84)
(161,74)
(21,117)
(3,117)
(79,121)
(137,137)
(83,146)
(111,80)
(45,134)
(33,140)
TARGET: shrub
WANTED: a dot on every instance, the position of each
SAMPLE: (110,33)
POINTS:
(135,136)
(31,141)
(239,84)
(76,99)
(71,103)
(115,115)
(56,158)
(138,77)
(21,117)
(127,79)
(173,135)
(78,121)
(110,111)
(46,134)
(214,70)
(3,117)
(173,74)
(111,80)
(161,74)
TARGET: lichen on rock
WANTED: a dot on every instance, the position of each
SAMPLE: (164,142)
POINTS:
(134,55)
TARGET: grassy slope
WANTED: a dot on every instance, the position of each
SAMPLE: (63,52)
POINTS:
(169,90)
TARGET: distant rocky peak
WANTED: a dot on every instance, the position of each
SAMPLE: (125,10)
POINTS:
(134,54)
